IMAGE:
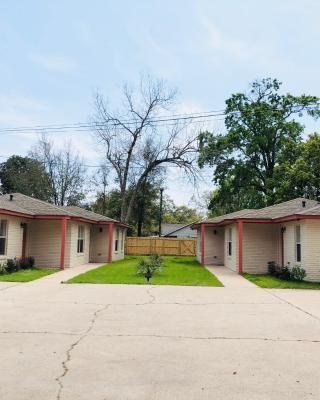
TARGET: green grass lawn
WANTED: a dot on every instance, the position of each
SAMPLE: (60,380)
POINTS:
(271,282)
(184,271)
(26,275)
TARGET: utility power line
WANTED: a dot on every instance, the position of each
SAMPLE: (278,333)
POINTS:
(84,127)
(195,117)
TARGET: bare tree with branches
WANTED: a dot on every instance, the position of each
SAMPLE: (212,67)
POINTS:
(65,170)
(137,142)
(100,181)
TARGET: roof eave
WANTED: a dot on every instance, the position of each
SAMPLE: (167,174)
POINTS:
(15,213)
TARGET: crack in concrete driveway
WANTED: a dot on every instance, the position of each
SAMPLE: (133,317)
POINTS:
(65,363)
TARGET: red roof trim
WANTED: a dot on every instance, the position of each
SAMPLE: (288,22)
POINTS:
(15,214)
(59,217)
(295,217)
(291,217)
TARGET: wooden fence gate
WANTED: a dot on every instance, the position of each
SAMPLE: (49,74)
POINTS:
(160,245)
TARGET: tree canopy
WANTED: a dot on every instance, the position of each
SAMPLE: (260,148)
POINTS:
(145,212)
(298,173)
(261,127)
(24,175)
(180,214)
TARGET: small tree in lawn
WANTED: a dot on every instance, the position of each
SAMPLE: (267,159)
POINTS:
(148,267)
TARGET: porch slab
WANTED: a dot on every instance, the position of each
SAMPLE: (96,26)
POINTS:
(229,278)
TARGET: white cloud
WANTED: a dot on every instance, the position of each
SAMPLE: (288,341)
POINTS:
(217,43)
(18,110)
(54,63)
(218,40)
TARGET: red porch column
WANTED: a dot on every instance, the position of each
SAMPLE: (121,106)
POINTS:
(202,244)
(110,242)
(63,241)
(240,245)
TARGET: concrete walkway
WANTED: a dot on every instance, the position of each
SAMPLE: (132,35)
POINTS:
(229,278)
(69,273)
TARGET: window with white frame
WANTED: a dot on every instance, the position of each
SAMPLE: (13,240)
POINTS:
(3,237)
(116,242)
(80,244)
(298,243)
(230,242)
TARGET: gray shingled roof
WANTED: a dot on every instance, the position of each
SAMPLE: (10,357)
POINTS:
(88,214)
(284,209)
(169,229)
(31,206)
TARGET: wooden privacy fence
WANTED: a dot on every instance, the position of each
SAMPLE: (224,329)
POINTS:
(160,245)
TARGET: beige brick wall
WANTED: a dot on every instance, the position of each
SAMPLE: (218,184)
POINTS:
(310,238)
(99,243)
(14,237)
(260,245)
(231,261)
(289,242)
(213,246)
(44,242)
(310,247)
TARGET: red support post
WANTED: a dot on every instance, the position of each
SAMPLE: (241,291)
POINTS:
(240,245)
(63,241)
(202,243)
(110,242)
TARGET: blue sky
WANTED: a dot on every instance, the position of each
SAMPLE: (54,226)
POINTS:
(55,54)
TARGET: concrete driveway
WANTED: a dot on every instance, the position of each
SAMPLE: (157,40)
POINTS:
(117,342)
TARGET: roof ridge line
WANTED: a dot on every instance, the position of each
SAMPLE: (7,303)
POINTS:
(42,201)
(305,211)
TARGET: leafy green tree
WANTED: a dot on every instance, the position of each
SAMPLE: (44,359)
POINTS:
(260,125)
(180,214)
(107,204)
(145,212)
(299,172)
(24,175)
